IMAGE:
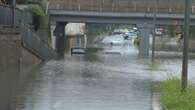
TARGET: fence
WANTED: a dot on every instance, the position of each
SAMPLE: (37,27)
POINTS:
(36,45)
(20,16)
(32,41)
(163,6)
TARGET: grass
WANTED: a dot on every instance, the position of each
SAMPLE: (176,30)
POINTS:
(38,10)
(173,99)
(154,66)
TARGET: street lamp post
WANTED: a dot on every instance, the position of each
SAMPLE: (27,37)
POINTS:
(13,12)
(184,78)
(154,34)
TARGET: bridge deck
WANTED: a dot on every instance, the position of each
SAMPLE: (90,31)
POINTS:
(111,17)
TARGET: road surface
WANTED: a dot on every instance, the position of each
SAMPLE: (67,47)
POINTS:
(101,81)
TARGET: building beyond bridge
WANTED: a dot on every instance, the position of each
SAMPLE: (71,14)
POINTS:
(162,6)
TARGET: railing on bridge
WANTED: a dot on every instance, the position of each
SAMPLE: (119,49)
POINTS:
(20,16)
(163,6)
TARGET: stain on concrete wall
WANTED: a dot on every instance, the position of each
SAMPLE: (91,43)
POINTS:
(14,61)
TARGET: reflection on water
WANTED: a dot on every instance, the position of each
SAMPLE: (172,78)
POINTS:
(9,79)
(92,54)
(13,78)
(94,81)
(8,85)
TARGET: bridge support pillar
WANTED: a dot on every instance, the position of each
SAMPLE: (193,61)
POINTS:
(59,32)
(145,31)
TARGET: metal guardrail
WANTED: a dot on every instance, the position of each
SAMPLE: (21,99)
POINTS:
(39,47)
(20,16)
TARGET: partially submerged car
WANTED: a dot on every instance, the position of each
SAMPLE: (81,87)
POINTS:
(78,50)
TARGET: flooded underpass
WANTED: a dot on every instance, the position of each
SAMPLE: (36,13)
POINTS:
(112,78)
(108,82)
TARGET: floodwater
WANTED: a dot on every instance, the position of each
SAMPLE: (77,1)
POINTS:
(116,79)
(170,65)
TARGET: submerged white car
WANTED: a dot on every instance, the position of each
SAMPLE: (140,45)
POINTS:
(114,39)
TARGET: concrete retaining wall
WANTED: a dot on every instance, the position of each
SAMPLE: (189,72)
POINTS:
(14,62)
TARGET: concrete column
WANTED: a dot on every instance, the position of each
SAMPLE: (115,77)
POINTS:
(85,41)
(145,31)
(59,32)
(193,9)
(53,37)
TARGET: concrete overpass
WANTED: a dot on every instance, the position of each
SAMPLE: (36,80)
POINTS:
(112,17)
(140,13)
(169,12)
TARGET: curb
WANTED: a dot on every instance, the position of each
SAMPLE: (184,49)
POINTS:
(156,105)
